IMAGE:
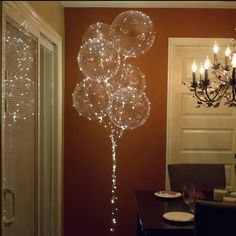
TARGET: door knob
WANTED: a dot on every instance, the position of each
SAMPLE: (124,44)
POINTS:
(9,221)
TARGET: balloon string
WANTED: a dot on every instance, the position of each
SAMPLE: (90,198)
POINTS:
(114,198)
(110,128)
(114,133)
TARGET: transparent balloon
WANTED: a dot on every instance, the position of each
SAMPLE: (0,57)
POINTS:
(132,32)
(91,98)
(129,108)
(98,58)
(98,30)
(128,76)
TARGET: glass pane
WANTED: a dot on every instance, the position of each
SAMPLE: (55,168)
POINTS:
(21,131)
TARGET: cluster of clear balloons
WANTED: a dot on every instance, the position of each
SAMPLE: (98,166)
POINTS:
(111,88)
(113,91)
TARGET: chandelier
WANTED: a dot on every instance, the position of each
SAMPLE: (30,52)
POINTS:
(217,80)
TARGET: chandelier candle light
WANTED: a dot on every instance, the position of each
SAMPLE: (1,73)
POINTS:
(210,92)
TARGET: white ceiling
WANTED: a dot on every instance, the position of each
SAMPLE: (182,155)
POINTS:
(152,4)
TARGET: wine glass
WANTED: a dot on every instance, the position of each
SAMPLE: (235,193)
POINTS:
(189,196)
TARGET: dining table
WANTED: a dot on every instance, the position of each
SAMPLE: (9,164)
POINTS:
(150,211)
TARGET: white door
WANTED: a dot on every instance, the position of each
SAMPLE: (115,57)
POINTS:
(197,135)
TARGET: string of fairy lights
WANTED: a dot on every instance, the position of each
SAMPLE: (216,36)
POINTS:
(18,83)
(113,91)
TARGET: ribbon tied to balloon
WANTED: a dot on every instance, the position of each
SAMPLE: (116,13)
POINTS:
(113,91)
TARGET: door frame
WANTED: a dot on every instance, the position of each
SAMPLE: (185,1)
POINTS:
(1,71)
(21,11)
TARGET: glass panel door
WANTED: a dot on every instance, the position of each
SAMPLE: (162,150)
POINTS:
(31,124)
(20,133)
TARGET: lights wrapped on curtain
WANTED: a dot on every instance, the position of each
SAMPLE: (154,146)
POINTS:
(113,92)
(210,91)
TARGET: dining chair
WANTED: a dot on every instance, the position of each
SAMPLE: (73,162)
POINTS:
(204,176)
(214,218)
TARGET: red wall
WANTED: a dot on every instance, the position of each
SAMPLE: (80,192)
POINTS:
(140,152)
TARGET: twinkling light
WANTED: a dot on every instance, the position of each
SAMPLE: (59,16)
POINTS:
(92,55)
(114,198)
(128,75)
(132,33)
(129,108)
(19,85)
(97,30)
(91,98)
(113,93)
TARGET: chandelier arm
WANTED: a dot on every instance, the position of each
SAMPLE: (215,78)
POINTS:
(216,98)
(233,99)
(197,96)
(206,96)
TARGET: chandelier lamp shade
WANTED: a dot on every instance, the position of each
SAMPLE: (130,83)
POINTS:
(217,80)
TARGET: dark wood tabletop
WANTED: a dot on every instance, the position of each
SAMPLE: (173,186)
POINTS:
(150,210)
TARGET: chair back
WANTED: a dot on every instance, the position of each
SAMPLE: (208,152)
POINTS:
(205,177)
(214,218)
